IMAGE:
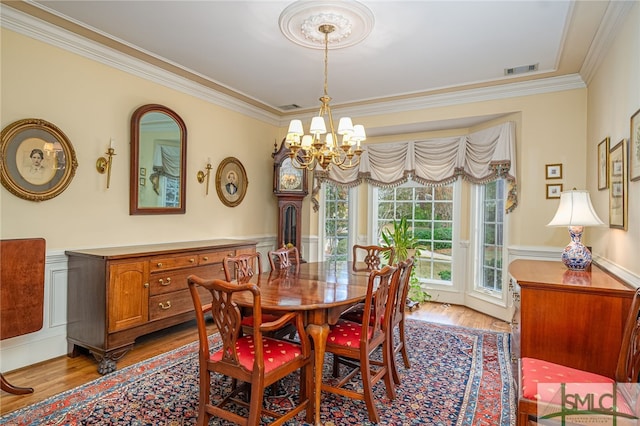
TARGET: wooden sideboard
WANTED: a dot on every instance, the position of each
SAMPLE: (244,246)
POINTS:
(117,294)
(574,318)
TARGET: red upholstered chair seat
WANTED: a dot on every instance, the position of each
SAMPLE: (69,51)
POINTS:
(346,333)
(276,352)
(541,381)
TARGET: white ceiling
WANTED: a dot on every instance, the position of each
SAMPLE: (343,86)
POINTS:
(415,48)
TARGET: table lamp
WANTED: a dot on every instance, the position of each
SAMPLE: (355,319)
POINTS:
(576,212)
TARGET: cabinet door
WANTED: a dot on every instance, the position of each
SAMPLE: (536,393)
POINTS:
(128,295)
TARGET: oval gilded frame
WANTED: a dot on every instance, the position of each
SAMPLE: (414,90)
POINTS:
(231,182)
(23,142)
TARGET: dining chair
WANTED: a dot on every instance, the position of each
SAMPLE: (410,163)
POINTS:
(534,372)
(256,361)
(284,258)
(398,316)
(241,268)
(357,342)
(373,257)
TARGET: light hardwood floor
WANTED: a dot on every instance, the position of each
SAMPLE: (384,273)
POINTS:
(63,373)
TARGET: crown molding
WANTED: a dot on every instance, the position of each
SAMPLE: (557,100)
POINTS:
(614,17)
(27,25)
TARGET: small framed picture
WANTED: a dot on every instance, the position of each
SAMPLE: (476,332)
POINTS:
(603,164)
(143,182)
(617,187)
(553,171)
(554,190)
(634,147)
(143,171)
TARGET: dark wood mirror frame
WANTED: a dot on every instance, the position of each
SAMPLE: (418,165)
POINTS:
(139,173)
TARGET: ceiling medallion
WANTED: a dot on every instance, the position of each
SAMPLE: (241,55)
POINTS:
(352,22)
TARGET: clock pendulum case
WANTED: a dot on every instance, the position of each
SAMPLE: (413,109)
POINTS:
(290,187)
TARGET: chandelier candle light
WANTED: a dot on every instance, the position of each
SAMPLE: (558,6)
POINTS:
(311,148)
(576,212)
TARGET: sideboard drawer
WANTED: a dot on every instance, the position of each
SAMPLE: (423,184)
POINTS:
(214,257)
(173,262)
(167,281)
(169,304)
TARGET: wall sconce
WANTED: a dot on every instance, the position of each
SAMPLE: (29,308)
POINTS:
(201,176)
(104,164)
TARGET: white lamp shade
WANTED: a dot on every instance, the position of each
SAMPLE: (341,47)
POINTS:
(295,128)
(329,140)
(306,141)
(345,126)
(575,209)
(317,126)
(358,133)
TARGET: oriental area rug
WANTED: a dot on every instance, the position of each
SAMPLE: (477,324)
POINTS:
(458,376)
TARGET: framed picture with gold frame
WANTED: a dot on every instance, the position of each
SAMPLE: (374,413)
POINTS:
(38,160)
(554,190)
(231,182)
(553,171)
(618,186)
(603,164)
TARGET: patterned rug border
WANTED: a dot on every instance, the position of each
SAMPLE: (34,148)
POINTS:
(107,384)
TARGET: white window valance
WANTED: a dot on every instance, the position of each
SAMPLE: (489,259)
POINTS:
(479,157)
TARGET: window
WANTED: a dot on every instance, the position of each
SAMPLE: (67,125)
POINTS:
(336,244)
(429,212)
(490,242)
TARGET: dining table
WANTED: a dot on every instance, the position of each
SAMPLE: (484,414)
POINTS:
(322,291)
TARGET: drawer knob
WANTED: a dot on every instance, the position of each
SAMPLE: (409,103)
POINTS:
(192,260)
(146,285)
(165,283)
(159,264)
(165,307)
(206,258)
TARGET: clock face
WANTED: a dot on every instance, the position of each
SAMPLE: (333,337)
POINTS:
(290,178)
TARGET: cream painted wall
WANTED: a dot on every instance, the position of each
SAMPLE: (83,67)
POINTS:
(614,95)
(92,103)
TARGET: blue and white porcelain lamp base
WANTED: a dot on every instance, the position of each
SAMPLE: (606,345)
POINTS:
(576,256)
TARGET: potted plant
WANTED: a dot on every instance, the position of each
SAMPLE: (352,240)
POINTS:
(406,245)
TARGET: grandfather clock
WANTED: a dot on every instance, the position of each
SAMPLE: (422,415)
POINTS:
(290,186)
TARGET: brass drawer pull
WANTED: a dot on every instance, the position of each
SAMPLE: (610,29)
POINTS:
(159,265)
(165,307)
(192,260)
(206,258)
(146,285)
(162,282)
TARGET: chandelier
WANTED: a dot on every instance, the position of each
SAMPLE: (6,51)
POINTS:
(309,150)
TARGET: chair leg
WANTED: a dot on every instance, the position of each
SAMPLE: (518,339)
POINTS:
(405,356)
(365,372)
(205,395)
(336,365)
(388,366)
(394,367)
(255,409)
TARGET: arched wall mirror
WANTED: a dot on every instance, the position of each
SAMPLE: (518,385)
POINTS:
(158,161)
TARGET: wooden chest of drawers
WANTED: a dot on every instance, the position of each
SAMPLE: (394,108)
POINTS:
(574,318)
(117,294)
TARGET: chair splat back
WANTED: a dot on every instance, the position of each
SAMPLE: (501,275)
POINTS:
(284,258)
(373,257)
(242,267)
